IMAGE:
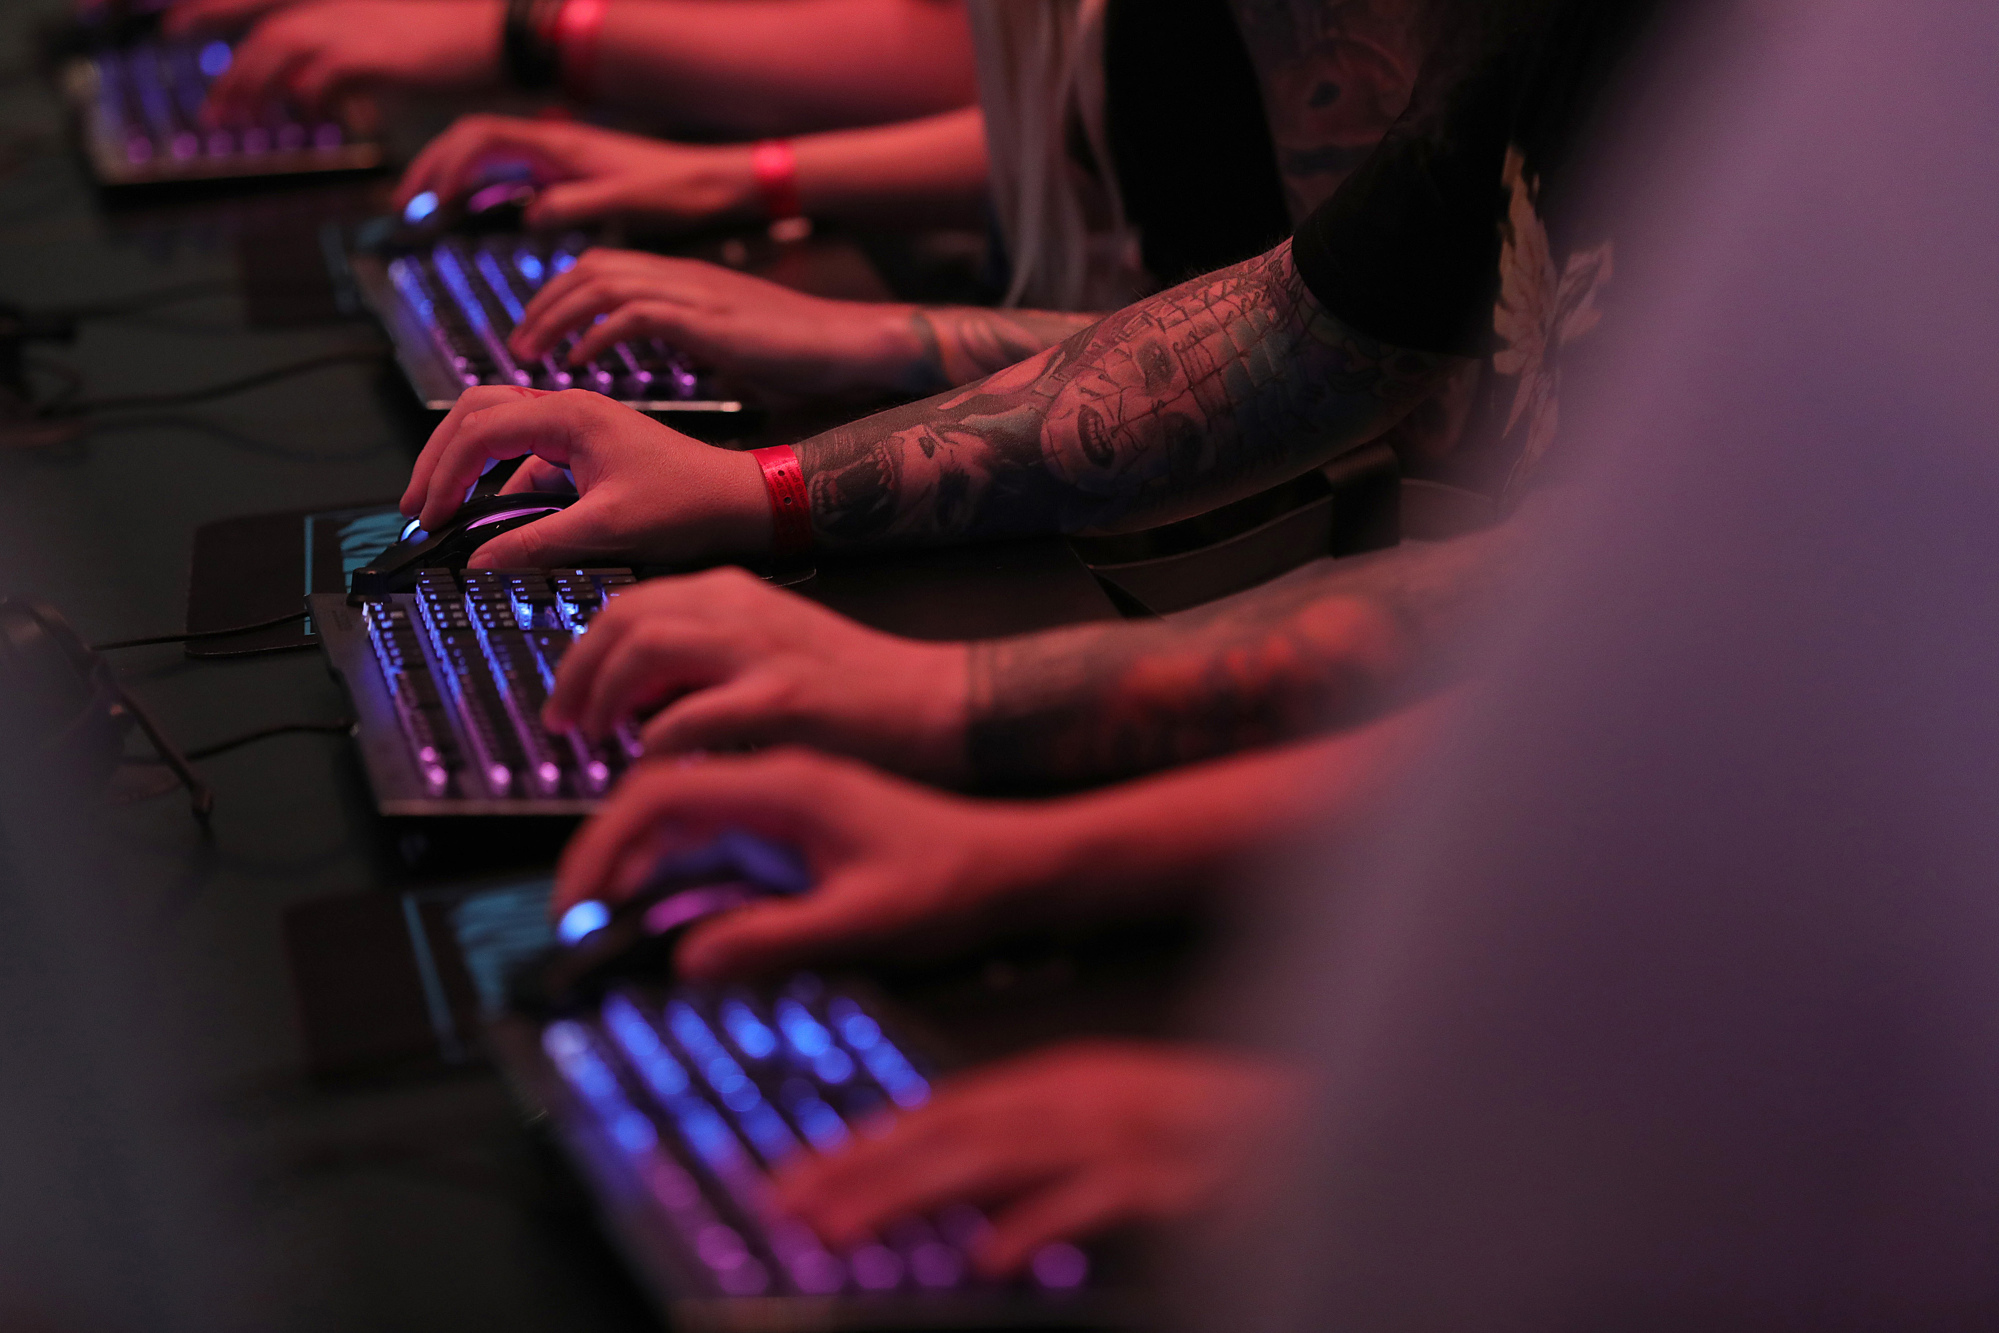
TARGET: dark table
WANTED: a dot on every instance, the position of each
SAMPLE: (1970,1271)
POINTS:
(403,1203)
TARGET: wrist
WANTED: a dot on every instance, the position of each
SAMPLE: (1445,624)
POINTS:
(1015,870)
(715,183)
(774,166)
(575,35)
(736,520)
(934,706)
(903,351)
(1114,853)
(1059,864)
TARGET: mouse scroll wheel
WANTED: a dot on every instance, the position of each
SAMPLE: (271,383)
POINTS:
(504,515)
(411,532)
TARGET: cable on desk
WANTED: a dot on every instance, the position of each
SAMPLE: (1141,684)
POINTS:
(127,402)
(337,727)
(192,635)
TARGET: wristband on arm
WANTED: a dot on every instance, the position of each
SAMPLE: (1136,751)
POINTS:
(546,42)
(577,25)
(527,55)
(775,167)
(790,510)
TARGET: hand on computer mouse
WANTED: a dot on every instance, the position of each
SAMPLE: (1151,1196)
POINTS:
(729,660)
(588,173)
(893,865)
(311,54)
(768,340)
(1059,1145)
(648,494)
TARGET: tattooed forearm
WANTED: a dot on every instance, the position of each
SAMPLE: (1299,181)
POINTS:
(1189,399)
(1322,649)
(963,343)
(1335,74)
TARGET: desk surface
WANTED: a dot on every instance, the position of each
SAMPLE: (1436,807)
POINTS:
(409,1205)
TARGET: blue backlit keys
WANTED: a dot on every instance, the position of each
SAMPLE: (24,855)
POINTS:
(469,659)
(734,1086)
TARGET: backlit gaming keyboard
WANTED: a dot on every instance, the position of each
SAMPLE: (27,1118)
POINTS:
(448,684)
(141,112)
(675,1105)
(450,308)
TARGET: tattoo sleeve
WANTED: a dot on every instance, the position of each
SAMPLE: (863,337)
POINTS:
(1200,395)
(964,343)
(1323,648)
(1334,75)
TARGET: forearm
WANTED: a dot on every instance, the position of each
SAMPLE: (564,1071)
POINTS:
(749,68)
(1161,844)
(920,173)
(1327,648)
(940,347)
(1203,394)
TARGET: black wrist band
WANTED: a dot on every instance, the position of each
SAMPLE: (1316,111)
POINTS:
(528,56)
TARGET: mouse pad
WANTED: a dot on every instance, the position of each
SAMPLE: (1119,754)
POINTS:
(258,567)
(386,982)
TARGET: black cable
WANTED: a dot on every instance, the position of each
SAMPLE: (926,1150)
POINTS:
(337,727)
(192,635)
(127,402)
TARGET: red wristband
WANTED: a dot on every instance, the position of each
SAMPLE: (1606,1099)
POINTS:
(790,510)
(776,168)
(577,25)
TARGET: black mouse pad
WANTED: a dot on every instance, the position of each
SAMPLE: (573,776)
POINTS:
(404,982)
(259,567)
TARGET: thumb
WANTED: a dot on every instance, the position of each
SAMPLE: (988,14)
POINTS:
(825,925)
(569,203)
(566,538)
(537,474)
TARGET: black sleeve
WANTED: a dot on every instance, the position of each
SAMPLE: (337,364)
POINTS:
(1407,249)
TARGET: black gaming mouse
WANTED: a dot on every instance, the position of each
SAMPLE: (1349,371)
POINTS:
(478,521)
(600,945)
(498,206)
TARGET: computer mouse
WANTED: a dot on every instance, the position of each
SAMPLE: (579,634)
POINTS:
(498,206)
(478,521)
(599,944)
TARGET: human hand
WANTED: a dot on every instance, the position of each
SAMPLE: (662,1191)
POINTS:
(189,18)
(647,493)
(312,53)
(1060,1145)
(893,865)
(729,660)
(588,173)
(765,338)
